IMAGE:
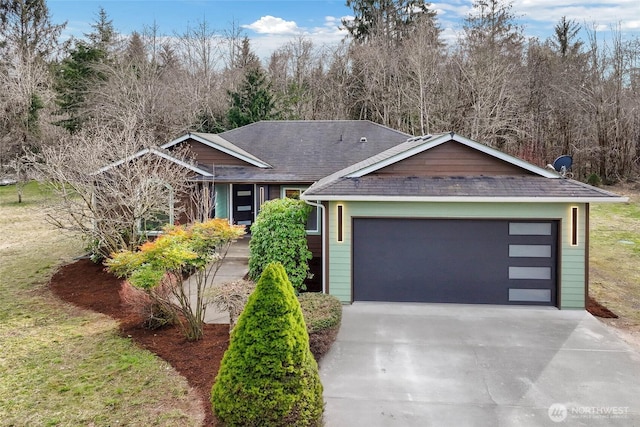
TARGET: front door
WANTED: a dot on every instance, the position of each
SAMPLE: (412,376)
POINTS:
(243,203)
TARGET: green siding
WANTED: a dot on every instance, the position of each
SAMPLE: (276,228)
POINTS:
(571,280)
(222,200)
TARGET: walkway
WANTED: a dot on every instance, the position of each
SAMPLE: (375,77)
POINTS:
(234,267)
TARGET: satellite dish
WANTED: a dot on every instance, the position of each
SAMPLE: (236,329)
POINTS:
(562,164)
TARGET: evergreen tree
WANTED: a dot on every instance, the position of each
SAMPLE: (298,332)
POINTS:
(79,72)
(268,376)
(491,30)
(392,20)
(564,41)
(103,36)
(253,101)
(76,74)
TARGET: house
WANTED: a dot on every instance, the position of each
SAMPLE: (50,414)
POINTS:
(436,218)
(441,218)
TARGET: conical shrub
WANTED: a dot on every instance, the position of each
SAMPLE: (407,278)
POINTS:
(268,376)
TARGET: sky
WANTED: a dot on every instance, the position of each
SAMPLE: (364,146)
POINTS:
(270,24)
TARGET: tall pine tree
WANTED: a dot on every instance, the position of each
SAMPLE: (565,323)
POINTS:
(79,71)
(254,99)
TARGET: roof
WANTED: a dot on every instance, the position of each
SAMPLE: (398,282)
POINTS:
(356,183)
(306,150)
(156,152)
(461,189)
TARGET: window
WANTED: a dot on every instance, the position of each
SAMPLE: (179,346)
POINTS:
(163,213)
(313,223)
(154,223)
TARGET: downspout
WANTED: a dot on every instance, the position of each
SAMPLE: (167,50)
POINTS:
(323,237)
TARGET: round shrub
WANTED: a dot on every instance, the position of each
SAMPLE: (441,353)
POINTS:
(268,376)
(322,314)
(320,311)
(279,235)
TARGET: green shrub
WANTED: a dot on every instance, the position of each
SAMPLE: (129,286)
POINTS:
(594,179)
(323,314)
(279,235)
(321,311)
(197,250)
(268,376)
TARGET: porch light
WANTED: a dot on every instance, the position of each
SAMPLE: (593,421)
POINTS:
(574,226)
(340,223)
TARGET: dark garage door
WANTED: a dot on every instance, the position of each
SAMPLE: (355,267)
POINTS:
(455,261)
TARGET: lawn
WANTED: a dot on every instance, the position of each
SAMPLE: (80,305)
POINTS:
(615,256)
(61,366)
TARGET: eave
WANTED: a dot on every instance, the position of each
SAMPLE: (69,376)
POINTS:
(463,199)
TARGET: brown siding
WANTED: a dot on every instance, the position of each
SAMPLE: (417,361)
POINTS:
(451,159)
(274,192)
(315,264)
(210,156)
(314,241)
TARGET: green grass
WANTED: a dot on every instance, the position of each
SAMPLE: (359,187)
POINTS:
(61,366)
(615,256)
(32,193)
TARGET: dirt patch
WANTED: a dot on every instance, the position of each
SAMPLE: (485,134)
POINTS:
(89,286)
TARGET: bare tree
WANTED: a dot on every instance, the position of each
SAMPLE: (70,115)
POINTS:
(137,88)
(109,184)
(422,56)
(491,69)
(291,70)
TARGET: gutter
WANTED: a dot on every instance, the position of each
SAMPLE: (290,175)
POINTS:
(323,236)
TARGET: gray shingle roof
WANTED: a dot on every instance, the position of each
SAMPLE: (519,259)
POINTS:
(523,187)
(308,150)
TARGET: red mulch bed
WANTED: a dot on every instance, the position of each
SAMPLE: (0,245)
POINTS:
(599,310)
(89,286)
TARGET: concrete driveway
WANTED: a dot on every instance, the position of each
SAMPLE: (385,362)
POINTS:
(472,365)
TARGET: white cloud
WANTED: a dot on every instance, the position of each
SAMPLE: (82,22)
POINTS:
(272,25)
(600,14)
(330,33)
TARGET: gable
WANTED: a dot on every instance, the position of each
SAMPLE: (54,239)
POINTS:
(451,159)
(206,155)
(155,152)
(211,149)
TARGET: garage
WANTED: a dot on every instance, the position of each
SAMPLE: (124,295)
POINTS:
(455,260)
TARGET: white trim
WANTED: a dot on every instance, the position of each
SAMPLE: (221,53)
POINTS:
(468,199)
(157,153)
(441,139)
(301,189)
(324,214)
(220,144)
